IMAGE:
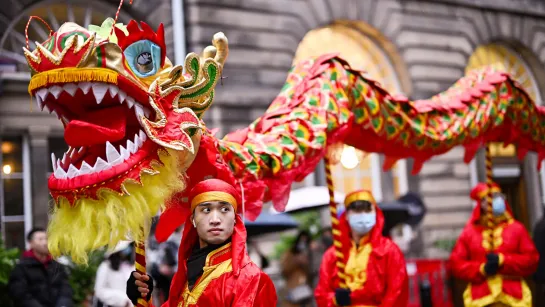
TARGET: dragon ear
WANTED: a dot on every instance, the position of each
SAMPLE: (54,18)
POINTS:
(173,217)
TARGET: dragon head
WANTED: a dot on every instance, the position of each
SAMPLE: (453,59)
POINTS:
(132,121)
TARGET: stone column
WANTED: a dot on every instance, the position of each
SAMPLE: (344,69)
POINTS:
(39,155)
(533,189)
(414,180)
(386,183)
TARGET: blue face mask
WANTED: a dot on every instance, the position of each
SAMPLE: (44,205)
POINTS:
(362,223)
(498,206)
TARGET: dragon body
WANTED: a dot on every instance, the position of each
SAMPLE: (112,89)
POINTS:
(137,141)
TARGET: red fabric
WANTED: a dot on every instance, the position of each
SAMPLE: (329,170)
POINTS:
(98,127)
(520,257)
(246,285)
(387,280)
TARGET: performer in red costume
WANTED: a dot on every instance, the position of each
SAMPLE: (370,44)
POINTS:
(375,267)
(214,269)
(495,276)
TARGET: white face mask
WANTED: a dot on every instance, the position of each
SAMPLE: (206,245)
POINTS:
(362,223)
(498,206)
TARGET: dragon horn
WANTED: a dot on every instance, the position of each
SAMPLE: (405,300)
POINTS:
(222,48)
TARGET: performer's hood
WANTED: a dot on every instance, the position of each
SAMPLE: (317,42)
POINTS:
(477,193)
(374,236)
(189,239)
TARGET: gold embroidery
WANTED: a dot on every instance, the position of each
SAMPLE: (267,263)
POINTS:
(210,272)
(356,267)
(497,296)
(497,233)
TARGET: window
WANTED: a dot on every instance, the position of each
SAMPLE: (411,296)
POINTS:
(55,13)
(14,191)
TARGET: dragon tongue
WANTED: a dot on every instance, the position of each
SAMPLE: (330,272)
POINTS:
(97,127)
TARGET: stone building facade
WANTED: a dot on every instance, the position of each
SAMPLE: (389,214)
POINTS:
(418,47)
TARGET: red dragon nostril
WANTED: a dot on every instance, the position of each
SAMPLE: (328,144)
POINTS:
(99,127)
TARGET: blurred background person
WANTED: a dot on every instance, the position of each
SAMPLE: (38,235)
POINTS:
(296,270)
(38,280)
(112,275)
(165,265)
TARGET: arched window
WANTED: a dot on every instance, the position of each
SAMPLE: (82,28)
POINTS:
(55,13)
(363,47)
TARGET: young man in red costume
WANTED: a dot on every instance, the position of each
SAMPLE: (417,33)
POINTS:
(214,268)
(374,266)
(495,275)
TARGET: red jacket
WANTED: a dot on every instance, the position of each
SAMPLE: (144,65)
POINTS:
(518,259)
(230,278)
(376,270)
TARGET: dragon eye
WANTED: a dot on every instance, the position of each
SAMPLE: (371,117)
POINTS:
(144,63)
(143,57)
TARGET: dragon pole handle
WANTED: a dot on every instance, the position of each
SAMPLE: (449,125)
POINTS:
(335,224)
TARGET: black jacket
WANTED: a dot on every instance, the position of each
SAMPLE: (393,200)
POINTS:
(34,284)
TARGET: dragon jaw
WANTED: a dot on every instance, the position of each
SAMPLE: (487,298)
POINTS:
(104,131)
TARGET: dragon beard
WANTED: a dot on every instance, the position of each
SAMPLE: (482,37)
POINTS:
(90,224)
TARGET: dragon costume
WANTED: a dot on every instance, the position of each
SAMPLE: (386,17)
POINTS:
(137,140)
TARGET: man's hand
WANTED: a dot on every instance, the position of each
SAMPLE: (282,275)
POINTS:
(342,297)
(139,286)
(492,264)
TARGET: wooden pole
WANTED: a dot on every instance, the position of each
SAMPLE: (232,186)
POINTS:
(140,264)
(335,225)
(489,181)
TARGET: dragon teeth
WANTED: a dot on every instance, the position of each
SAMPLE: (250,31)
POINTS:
(42,93)
(72,171)
(130,102)
(111,153)
(131,147)
(137,141)
(121,95)
(56,91)
(113,90)
(113,158)
(38,102)
(85,168)
(84,86)
(99,90)
(70,88)
(143,136)
(54,161)
(100,165)
(59,173)
(138,110)
(125,154)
